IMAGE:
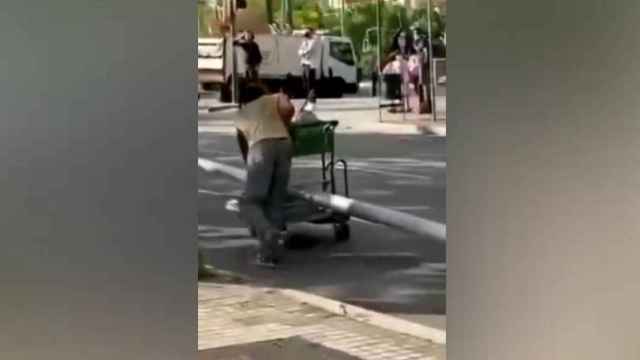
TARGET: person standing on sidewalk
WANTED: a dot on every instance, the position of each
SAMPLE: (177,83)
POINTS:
(263,125)
(307,53)
(395,69)
(253,56)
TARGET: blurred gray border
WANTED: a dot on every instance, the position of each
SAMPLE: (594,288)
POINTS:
(98,156)
(543,180)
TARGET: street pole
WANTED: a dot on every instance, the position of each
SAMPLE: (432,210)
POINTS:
(283,12)
(379,57)
(342,17)
(269,7)
(290,14)
(234,60)
(430,67)
(376,214)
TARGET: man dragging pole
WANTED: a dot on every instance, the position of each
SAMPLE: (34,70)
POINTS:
(263,133)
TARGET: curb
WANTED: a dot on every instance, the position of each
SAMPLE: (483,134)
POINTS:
(352,312)
(367,316)
(437,128)
(432,129)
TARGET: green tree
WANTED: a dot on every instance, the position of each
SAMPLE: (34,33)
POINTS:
(206,19)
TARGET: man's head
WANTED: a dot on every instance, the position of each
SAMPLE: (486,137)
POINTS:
(309,33)
(402,39)
(248,35)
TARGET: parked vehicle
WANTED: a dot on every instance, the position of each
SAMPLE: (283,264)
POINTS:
(338,73)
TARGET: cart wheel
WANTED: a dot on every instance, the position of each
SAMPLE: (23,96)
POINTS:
(342,232)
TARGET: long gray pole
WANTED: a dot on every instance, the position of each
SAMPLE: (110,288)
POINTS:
(376,214)
(342,18)
(234,59)
(431,67)
(379,56)
(358,209)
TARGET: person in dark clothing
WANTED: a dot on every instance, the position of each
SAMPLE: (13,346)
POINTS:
(397,57)
(422,81)
(253,57)
(402,44)
(373,68)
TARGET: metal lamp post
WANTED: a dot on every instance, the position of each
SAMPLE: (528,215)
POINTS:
(430,69)
(342,17)
(231,16)
(379,57)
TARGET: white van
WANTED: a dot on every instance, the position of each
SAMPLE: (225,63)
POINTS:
(338,71)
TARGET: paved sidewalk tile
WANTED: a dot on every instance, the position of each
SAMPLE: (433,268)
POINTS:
(233,315)
(294,348)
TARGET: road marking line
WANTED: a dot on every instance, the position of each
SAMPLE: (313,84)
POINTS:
(210,166)
(410,207)
(423,269)
(228,244)
(209,192)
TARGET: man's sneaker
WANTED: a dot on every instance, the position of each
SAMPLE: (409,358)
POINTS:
(232,205)
(277,243)
(271,250)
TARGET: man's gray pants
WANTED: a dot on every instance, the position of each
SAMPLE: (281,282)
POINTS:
(268,171)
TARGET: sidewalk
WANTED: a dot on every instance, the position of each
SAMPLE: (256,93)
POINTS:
(356,116)
(242,322)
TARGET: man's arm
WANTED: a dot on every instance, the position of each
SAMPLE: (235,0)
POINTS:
(286,110)
(240,40)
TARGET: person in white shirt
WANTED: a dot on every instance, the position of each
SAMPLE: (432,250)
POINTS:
(307,53)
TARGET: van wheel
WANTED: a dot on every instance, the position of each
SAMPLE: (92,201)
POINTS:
(352,88)
(338,88)
(225,92)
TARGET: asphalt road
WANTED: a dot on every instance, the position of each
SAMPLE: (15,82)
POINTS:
(379,268)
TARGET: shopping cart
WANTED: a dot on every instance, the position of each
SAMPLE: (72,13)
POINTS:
(318,138)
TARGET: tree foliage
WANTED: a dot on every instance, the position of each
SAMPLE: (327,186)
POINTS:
(359,17)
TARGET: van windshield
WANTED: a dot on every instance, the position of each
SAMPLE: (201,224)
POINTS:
(342,52)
